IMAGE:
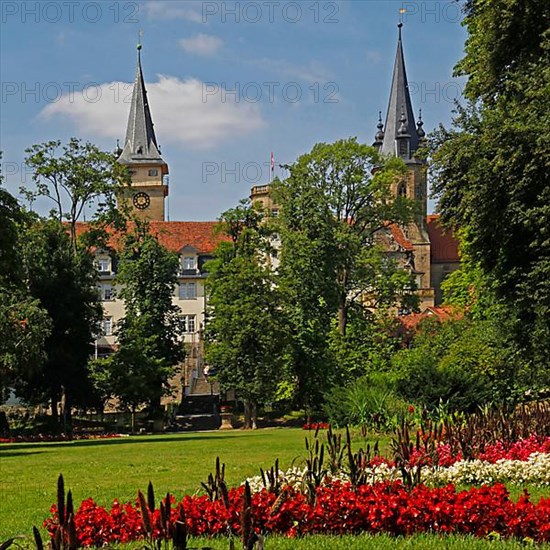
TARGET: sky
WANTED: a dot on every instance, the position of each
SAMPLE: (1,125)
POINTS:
(228,82)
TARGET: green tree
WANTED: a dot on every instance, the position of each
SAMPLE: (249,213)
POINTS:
(334,205)
(150,335)
(79,175)
(244,330)
(491,169)
(24,324)
(64,282)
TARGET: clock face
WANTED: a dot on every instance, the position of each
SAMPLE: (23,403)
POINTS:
(141,200)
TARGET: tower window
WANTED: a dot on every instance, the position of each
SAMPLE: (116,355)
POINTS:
(153,172)
(402,190)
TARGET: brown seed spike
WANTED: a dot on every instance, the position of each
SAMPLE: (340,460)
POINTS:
(70,507)
(73,540)
(151,497)
(37,538)
(61,500)
(145,518)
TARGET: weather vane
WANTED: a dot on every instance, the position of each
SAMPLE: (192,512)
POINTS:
(401,12)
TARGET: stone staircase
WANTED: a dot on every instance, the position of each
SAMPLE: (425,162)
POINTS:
(199,408)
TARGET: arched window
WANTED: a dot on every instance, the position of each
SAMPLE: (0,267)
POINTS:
(402,190)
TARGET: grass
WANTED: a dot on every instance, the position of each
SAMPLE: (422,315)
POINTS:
(116,468)
(106,469)
(361,542)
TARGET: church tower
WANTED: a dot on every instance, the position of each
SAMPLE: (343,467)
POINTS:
(141,154)
(401,136)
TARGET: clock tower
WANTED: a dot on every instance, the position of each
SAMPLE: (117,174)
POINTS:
(147,193)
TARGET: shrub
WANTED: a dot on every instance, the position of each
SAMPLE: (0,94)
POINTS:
(369,401)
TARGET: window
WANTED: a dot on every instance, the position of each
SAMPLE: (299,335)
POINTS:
(188,291)
(189,262)
(107,326)
(275,212)
(402,190)
(105,292)
(188,323)
(104,265)
(153,172)
(108,293)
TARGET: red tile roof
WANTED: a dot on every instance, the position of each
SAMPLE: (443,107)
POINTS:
(444,246)
(399,237)
(176,235)
(443,314)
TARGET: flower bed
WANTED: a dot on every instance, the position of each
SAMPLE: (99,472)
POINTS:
(520,451)
(316,426)
(535,470)
(41,438)
(338,508)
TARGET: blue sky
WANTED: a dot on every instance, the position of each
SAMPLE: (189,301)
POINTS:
(228,82)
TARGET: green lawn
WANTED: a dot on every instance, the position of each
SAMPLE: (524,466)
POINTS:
(363,542)
(106,469)
(116,468)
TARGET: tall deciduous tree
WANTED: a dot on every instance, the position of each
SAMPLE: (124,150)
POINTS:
(79,175)
(65,283)
(334,204)
(244,331)
(24,324)
(491,170)
(150,335)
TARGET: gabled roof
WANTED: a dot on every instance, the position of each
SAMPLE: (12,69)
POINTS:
(399,104)
(442,314)
(140,145)
(444,246)
(175,235)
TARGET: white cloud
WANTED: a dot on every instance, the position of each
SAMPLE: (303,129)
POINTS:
(183,115)
(201,44)
(189,10)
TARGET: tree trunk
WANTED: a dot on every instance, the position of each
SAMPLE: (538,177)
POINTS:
(254,415)
(133,419)
(67,414)
(247,415)
(55,403)
(342,303)
(342,317)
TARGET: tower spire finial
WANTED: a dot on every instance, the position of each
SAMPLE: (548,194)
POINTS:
(139,45)
(400,24)
(379,137)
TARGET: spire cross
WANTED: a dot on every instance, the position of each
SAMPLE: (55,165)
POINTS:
(140,34)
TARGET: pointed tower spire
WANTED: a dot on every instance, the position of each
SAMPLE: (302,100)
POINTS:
(140,144)
(399,108)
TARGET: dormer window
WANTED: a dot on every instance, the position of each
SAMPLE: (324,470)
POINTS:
(103,265)
(189,262)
